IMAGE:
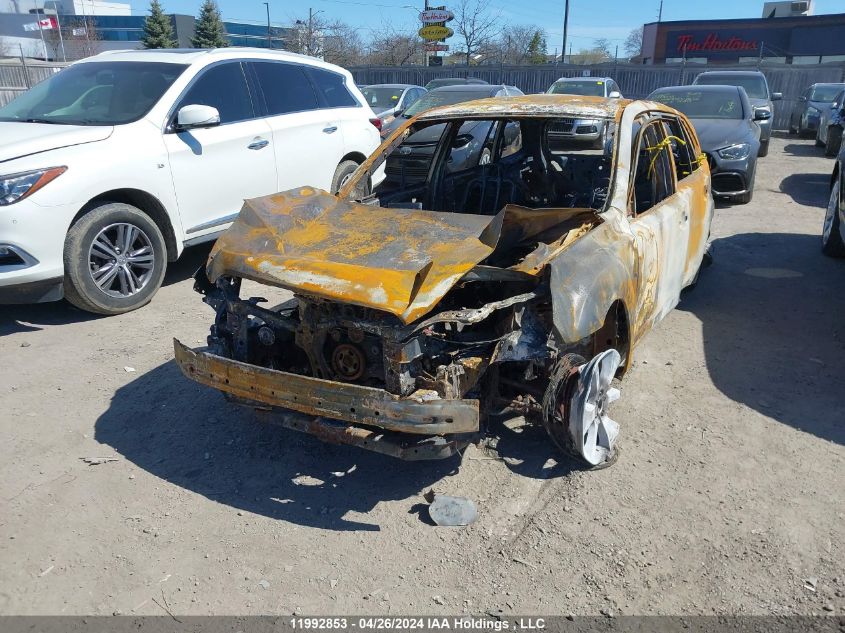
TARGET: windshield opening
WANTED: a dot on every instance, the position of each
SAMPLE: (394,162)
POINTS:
(754,86)
(700,104)
(584,88)
(435,99)
(825,94)
(95,93)
(382,97)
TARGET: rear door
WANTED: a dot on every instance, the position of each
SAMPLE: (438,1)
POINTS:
(307,140)
(214,169)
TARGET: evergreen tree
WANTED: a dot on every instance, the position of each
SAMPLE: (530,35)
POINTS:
(537,49)
(209,31)
(158,32)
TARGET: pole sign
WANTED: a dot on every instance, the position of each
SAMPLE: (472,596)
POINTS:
(435,16)
(435,47)
(434,32)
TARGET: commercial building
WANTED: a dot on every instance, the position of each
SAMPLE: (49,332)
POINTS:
(793,39)
(31,28)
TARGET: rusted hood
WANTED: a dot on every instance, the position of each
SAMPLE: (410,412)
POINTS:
(398,260)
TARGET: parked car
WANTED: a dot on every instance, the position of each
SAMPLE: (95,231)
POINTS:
(388,100)
(419,309)
(833,230)
(448,95)
(807,112)
(110,168)
(829,134)
(453,81)
(757,88)
(728,130)
(582,130)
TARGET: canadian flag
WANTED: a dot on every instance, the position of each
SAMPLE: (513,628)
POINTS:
(43,25)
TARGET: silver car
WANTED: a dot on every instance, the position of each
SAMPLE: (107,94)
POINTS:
(387,100)
(831,123)
(566,131)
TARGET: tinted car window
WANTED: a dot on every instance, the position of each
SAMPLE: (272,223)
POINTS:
(437,98)
(95,93)
(222,87)
(591,88)
(382,97)
(703,104)
(333,88)
(285,87)
(825,94)
(754,85)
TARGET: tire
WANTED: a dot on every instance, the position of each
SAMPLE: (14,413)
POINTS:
(832,244)
(764,149)
(124,287)
(343,172)
(834,141)
(559,388)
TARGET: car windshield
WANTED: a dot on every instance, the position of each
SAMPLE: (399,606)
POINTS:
(754,85)
(825,94)
(95,93)
(592,88)
(434,99)
(382,97)
(703,104)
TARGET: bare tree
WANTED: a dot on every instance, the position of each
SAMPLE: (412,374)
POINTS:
(603,46)
(511,47)
(391,47)
(633,44)
(588,56)
(82,39)
(334,41)
(476,25)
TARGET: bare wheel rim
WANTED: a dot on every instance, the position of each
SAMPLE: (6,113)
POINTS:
(121,260)
(831,213)
(345,180)
(592,430)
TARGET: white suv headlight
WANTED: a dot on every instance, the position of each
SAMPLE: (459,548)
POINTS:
(15,187)
(735,152)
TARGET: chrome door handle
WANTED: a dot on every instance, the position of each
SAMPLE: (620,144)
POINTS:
(330,129)
(259,144)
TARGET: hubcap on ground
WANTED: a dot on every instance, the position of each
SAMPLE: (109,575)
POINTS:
(121,260)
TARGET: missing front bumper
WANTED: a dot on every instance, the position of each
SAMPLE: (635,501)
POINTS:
(355,404)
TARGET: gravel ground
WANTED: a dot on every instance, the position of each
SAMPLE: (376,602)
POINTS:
(727,497)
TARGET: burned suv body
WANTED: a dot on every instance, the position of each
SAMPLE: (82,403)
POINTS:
(524,281)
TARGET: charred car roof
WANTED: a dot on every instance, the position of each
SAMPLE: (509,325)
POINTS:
(543,105)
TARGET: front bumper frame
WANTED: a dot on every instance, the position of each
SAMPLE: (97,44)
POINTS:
(354,404)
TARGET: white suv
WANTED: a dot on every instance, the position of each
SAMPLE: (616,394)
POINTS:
(110,168)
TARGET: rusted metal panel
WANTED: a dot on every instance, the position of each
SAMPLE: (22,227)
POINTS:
(397,260)
(342,401)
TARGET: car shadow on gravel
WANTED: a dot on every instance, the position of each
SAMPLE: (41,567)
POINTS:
(771,310)
(812,190)
(803,149)
(188,435)
(32,317)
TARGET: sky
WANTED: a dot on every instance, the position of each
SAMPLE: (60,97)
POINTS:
(588,19)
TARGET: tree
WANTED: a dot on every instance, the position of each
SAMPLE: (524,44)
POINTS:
(158,31)
(633,44)
(209,31)
(602,45)
(476,25)
(537,48)
(334,41)
(389,47)
(81,38)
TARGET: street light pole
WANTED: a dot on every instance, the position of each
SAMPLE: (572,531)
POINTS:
(269,40)
(565,29)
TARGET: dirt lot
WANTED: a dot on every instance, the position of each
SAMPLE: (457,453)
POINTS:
(728,496)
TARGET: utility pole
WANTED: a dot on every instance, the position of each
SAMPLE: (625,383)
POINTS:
(310,22)
(58,26)
(565,28)
(660,12)
(760,56)
(269,40)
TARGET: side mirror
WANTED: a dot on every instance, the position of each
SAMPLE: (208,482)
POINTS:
(777,96)
(762,115)
(614,94)
(197,116)
(398,112)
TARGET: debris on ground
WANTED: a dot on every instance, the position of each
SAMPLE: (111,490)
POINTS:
(96,461)
(450,511)
(128,370)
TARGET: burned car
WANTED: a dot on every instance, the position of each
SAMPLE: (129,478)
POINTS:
(420,306)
